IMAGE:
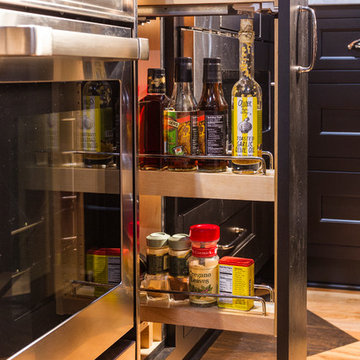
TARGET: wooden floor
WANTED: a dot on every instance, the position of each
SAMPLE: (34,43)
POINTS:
(333,332)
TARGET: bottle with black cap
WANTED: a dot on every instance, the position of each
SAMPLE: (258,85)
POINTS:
(212,117)
(180,119)
(152,107)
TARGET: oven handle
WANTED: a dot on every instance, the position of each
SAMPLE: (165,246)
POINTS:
(39,41)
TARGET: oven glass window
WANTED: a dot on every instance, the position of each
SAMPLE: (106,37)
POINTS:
(61,207)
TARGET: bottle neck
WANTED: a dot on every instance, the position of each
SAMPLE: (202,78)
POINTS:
(155,92)
(182,98)
(182,88)
(211,89)
(213,86)
(246,53)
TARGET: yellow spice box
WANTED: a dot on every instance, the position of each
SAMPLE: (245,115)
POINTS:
(236,277)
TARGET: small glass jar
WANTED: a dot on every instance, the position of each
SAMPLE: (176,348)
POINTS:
(203,264)
(157,256)
(157,253)
(179,254)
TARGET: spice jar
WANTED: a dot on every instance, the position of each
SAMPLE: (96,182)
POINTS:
(179,254)
(203,264)
(157,253)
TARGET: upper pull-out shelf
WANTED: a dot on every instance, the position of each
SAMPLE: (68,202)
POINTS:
(208,185)
(152,8)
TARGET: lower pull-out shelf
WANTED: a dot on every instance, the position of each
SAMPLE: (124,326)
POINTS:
(252,321)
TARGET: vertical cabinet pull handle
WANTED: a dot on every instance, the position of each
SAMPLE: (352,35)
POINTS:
(305,69)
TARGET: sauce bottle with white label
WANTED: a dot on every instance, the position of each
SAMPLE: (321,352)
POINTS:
(212,117)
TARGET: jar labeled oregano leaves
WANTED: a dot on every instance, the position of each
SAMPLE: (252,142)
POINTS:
(203,264)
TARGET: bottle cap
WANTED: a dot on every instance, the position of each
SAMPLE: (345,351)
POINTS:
(157,239)
(212,70)
(179,242)
(229,260)
(204,232)
(183,69)
(156,81)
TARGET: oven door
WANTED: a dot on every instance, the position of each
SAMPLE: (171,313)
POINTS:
(66,186)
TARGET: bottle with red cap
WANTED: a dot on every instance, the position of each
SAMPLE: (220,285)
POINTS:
(203,264)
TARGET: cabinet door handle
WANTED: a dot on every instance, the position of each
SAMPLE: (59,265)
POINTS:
(354,45)
(305,69)
(32,40)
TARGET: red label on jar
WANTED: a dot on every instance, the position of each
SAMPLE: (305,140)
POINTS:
(204,252)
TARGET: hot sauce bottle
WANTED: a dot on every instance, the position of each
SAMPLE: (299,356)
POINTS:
(180,119)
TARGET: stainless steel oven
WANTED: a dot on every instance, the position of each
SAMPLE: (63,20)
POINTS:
(121,10)
(67,95)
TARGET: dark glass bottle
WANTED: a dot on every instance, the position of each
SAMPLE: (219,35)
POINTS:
(151,120)
(97,126)
(180,119)
(212,117)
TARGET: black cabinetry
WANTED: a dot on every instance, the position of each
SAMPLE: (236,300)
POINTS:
(334,150)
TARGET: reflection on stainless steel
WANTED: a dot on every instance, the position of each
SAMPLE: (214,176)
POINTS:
(91,283)
(26,227)
(52,173)
(238,230)
(35,69)
(179,10)
(159,8)
(210,43)
(109,9)
(243,243)
(210,31)
(87,334)
(354,45)
(234,243)
(271,158)
(267,288)
(45,41)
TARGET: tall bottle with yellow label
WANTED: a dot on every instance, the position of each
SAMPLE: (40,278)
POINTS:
(246,107)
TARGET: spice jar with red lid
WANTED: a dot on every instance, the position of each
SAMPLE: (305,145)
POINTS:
(203,264)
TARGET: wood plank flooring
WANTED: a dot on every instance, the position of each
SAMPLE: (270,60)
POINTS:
(333,332)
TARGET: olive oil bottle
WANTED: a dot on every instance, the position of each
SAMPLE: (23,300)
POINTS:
(246,107)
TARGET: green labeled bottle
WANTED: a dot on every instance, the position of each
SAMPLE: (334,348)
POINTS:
(97,126)
(180,119)
(246,107)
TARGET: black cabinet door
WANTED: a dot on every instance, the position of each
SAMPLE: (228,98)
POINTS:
(291,182)
(334,151)
(337,27)
(334,227)
(334,120)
